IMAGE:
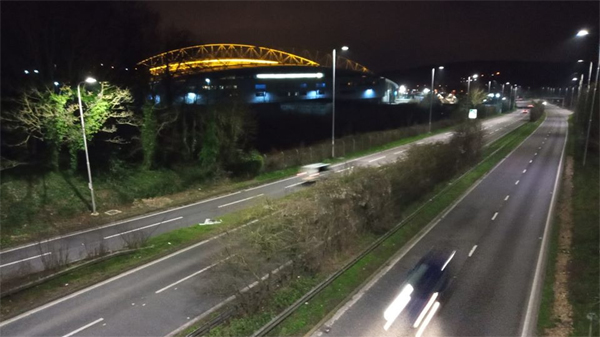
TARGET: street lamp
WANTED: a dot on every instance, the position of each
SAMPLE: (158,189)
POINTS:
(334,61)
(89,80)
(432,93)
(582,32)
(474,77)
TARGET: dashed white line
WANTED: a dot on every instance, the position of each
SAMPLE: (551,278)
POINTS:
(539,148)
(517,182)
(525,170)
(188,277)
(535,154)
(296,184)
(84,327)
(27,259)
(238,201)
(140,228)
(506,198)
(472,250)
(376,159)
(495,215)
(531,161)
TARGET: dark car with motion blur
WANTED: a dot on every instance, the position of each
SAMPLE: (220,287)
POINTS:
(422,289)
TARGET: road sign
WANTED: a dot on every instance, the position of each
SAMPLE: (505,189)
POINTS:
(472,113)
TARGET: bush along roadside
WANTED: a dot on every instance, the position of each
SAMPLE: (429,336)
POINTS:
(326,234)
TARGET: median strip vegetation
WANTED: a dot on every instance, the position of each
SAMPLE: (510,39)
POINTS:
(346,214)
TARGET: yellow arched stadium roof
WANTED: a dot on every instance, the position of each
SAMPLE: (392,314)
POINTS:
(213,57)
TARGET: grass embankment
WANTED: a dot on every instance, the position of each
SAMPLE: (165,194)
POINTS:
(334,294)
(582,260)
(37,206)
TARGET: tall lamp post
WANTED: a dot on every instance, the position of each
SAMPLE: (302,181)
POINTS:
(432,93)
(334,61)
(89,80)
(471,78)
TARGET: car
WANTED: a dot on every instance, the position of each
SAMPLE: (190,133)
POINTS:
(525,111)
(314,172)
(422,290)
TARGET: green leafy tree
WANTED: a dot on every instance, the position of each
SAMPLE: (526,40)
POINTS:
(53,117)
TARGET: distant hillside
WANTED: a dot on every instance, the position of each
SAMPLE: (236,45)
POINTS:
(527,74)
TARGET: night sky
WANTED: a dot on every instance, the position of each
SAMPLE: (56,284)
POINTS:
(397,35)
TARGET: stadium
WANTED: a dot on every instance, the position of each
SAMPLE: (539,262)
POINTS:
(205,74)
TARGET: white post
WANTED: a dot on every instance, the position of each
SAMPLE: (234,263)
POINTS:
(87,157)
(334,61)
(431,98)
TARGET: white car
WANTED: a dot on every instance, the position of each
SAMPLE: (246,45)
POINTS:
(314,172)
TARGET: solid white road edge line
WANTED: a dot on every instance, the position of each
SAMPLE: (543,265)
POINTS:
(517,182)
(140,228)
(532,303)
(238,201)
(495,215)
(378,158)
(97,285)
(84,327)
(29,258)
(508,196)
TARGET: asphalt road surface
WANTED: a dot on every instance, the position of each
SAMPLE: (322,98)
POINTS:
(33,257)
(497,231)
(161,296)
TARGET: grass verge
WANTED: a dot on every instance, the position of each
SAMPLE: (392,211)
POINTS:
(334,294)
(583,283)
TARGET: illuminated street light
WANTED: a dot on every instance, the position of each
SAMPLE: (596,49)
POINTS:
(582,32)
(574,79)
(207,80)
(334,61)
(89,80)
(36,71)
(26,72)
(475,76)
(432,92)
(579,61)
(56,83)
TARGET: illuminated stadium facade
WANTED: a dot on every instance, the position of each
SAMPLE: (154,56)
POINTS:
(208,73)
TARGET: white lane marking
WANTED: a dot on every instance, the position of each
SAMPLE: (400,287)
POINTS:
(531,161)
(376,159)
(238,201)
(495,215)
(97,285)
(269,184)
(140,228)
(296,184)
(399,152)
(189,276)
(472,250)
(525,170)
(506,198)
(84,327)
(517,182)
(533,303)
(535,154)
(539,148)
(27,259)
(543,143)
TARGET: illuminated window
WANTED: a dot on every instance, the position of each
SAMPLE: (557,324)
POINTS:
(321,85)
(260,86)
(303,85)
(260,94)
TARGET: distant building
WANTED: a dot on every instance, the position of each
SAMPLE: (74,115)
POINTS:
(209,73)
